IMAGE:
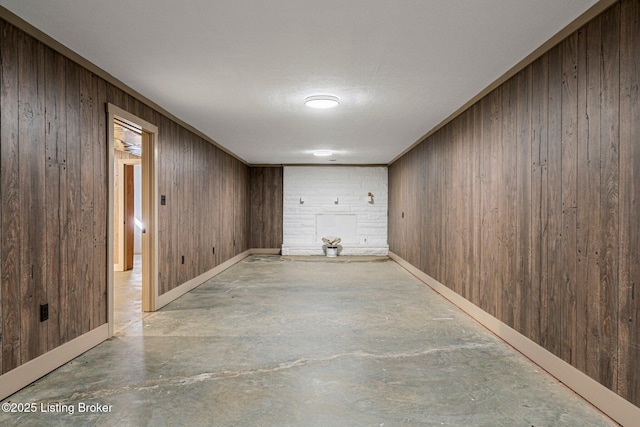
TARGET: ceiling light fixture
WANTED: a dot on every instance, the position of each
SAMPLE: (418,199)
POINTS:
(322,101)
(322,153)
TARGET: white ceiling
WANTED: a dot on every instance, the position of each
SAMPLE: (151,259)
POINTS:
(238,70)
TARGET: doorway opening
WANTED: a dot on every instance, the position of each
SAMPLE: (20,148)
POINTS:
(132,284)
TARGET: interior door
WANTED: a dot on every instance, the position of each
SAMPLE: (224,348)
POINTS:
(129,197)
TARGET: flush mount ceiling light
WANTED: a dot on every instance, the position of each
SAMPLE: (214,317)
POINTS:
(322,101)
(322,153)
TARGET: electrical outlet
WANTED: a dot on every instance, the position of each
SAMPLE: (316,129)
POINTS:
(182,259)
(163,200)
(44,312)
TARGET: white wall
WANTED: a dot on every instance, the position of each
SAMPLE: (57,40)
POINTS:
(319,187)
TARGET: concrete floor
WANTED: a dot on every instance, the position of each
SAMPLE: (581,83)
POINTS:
(284,341)
(127,296)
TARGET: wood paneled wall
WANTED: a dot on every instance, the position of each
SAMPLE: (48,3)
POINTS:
(53,191)
(527,203)
(266,207)
(206,217)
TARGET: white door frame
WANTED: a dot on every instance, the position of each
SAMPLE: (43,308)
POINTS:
(149,212)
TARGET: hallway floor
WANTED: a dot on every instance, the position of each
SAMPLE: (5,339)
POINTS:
(127,296)
(305,341)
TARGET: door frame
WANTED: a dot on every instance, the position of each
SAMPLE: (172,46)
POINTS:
(149,211)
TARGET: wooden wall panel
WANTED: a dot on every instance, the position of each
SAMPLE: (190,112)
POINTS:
(71,234)
(32,188)
(522,211)
(205,190)
(609,178)
(242,208)
(265,207)
(256,182)
(584,188)
(536,186)
(227,208)
(509,306)
(569,154)
(185,202)
(54,187)
(201,238)
(539,180)
(553,308)
(11,201)
(85,239)
(395,204)
(629,276)
(168,213)
(55,204)
(98,126)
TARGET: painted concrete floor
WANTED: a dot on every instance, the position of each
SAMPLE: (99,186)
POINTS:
(284,341)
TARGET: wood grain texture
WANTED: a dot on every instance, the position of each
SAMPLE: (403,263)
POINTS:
(243,207)
(10,268)
(32,179)
(205,219)
(629,276)
(569,155)
(265,207)
(522,199)
(85,240)
(201,238)
(609,196)
(592,209)
(101,187)
(539,180)
(583,190)
(55,202)
(555,159)
(166,212)
(71,307)
(555,263)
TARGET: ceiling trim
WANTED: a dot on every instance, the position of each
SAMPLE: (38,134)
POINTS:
(284,165)
(351,165)
(576,24)
(50,42)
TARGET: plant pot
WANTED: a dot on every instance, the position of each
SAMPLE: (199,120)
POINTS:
(332,252)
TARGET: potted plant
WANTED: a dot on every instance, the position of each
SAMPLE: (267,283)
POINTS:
(331,245)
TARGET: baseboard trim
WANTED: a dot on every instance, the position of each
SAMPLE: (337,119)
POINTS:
(265,251)
(619,409)
(355,250)
(31,371)
(189,285)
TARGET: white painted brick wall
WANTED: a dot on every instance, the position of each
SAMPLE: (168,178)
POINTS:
(319,186)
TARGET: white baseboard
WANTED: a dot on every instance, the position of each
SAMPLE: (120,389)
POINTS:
(265,251)
(29,372)
(614,406)
(358,250)
(174,293)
